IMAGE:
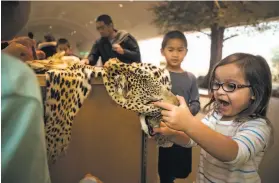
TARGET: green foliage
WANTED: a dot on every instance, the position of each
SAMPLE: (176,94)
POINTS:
(275,55)
(216,15)
(197,15)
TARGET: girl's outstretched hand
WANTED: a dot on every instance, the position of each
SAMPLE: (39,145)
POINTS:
(175,117)
(164,130)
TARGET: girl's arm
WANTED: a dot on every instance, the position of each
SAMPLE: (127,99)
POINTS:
(177,137)
(216,144)
(180,118)
(250,139)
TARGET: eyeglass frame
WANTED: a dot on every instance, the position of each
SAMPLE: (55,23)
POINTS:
(237,86)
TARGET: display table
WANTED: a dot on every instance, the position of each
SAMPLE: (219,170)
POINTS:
(106,142)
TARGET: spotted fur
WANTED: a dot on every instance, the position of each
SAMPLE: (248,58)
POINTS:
(135,86)
(65,92)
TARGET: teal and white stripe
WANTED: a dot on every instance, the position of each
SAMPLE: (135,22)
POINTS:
(252,138)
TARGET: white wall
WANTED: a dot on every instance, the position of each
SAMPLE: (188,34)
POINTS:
(197,59)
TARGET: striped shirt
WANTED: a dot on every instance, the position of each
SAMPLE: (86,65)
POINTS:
(252,138)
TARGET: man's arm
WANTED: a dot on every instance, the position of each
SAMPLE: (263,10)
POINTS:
(94,54)
(131,49)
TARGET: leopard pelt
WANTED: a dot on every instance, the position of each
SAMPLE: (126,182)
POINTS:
(65,92)
(135,86)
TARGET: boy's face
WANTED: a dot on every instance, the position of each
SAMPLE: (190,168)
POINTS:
(174,52)
(63,47)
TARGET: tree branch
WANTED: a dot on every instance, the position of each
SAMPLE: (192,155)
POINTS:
(205,33)
(217,4)
(230,37)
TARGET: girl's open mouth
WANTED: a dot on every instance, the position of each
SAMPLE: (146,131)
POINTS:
(221,105)
(223,102)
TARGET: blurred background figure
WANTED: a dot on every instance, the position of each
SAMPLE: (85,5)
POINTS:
(49,46)
(40,55)
(31,36)
(22,48)
(63,45)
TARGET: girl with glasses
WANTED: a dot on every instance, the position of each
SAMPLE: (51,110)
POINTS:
(234,136)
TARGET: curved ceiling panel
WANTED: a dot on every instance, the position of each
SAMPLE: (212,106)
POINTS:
(79,17)
(75,21)
(61,25)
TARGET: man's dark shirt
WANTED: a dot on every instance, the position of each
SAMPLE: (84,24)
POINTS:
(103,48)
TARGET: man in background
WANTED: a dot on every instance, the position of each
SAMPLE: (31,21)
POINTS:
(113,44)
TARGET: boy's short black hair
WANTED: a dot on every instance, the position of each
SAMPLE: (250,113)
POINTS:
(63,41)
(104,18)
(174,35)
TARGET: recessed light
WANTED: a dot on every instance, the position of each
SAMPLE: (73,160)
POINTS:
(120,5)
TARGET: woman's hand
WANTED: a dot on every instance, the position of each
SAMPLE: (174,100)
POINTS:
(176,117)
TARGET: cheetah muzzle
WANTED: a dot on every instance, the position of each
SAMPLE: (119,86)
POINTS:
(135,87)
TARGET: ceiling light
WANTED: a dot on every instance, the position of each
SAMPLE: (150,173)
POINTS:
(50,27)
(120,5)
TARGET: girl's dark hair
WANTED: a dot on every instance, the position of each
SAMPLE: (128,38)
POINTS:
(257,73)
(174,35)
